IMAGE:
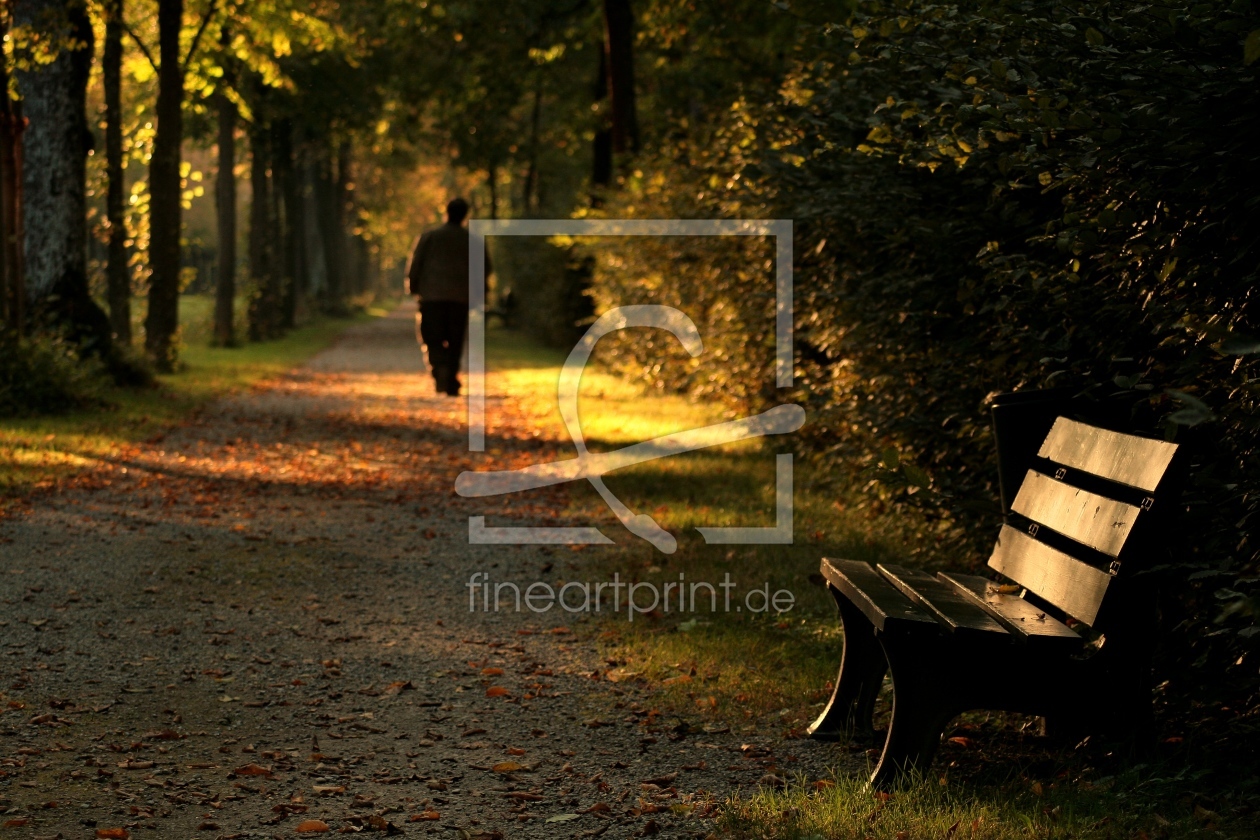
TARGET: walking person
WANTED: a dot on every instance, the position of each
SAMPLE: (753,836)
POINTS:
(438,275)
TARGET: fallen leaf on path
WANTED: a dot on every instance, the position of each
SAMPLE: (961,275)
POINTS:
(112,834)
(398,687)
(515,751)
(19,822)
(662,781)
(424,816)
(491,672)
(562,818)
(328,790)
(252,770)
(496,691)
(311,827)
(507,767)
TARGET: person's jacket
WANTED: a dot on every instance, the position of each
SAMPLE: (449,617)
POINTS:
(439,265)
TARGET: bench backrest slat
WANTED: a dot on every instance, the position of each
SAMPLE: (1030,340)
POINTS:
(1075,587)
(1135,461)
(1088,518)
(1076,529)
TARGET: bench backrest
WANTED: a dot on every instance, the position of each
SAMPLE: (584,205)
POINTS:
(1083,509)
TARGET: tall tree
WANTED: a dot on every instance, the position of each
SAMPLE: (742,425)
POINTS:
(162,320)
(12,276)
(225,201)
(619,28)
(118,273)
(54,171)
(262,245)
(165,182)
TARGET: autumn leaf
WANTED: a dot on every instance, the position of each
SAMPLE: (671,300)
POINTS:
(21,821)
(507,767)
(398,687)
(496,691)
(112,834)
(252,770)
(312,827)
(424,816)
(491,672)
(515,751)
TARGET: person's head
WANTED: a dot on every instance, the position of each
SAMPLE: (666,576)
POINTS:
(456,210)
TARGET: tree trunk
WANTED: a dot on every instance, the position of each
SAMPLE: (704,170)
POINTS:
(295,234)
(492,179)
(531,173)
(117,272)
(328,196)
(602,148)
(262,251)
(162,322)
(54,172)
(282,177)
(225,208)
(619,26)
(12,124)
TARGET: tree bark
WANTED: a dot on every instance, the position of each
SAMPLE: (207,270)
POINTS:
(619,27)
(162,322)
(531,173)
(602,148)
(54,174)
(282,177)
(262,250)
(12,280)
(117,272)
(492,179)
(225,209)
(295,233)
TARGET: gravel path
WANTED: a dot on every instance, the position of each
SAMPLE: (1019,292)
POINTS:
(258,626)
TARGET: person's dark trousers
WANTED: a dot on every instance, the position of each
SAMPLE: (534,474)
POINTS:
(442,327)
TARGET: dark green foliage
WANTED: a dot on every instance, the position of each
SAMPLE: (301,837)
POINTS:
(47,376)
(999,197)
(551,285)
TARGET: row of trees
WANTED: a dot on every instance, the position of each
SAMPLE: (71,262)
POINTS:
(301,92)
(330,106)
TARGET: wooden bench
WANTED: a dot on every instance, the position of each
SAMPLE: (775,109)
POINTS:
(1067,634)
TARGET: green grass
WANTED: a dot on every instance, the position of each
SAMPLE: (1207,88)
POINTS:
(38,452)
(1082,808)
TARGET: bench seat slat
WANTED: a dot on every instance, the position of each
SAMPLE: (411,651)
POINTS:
(1025,620)
(1135,461)
(1093,520)
(879,601)
(1076,588)
(959,614)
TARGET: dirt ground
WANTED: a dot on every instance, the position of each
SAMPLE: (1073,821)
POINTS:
(258,626)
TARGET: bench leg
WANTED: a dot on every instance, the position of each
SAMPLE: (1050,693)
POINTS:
(923,704)
(862,667)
